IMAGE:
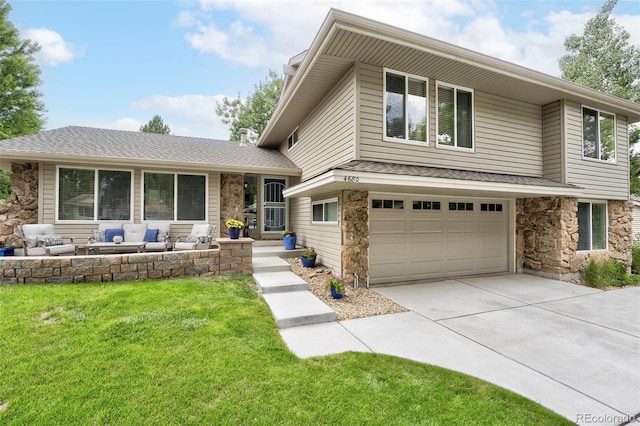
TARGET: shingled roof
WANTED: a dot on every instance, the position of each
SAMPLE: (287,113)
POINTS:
(437,172)
(87,144)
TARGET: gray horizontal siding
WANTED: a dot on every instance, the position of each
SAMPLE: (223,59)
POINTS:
(326,239)
(601,179)
(80,231)
(508,133)
(552,141)
(327,137)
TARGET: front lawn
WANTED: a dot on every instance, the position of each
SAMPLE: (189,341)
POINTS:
(196,351)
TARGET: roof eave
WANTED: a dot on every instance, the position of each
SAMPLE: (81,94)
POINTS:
(335,180)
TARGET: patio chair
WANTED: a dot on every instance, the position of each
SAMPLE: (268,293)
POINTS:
(41,240)
(200,238)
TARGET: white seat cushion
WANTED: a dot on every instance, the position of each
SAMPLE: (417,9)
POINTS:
(134,232)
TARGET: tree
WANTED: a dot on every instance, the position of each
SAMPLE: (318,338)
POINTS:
(21,111)
(255,112)
(156,125)
(602,58)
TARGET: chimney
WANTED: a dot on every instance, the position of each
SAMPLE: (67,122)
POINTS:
(243,136)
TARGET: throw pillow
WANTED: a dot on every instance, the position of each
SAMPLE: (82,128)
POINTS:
(97,236)
(50,240)
(110,233)
(163,236)
(195,239)
(151,236)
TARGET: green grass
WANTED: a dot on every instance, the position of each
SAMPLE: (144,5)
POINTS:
(602,271)
(197,351)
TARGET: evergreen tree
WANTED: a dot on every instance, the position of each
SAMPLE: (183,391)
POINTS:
(156,125)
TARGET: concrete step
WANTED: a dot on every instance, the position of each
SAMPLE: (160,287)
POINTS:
(297,308)
(279,282)
(276,251)
(270,264)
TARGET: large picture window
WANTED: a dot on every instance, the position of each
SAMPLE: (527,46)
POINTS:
(405,104)
(592,226)
(325,211)
(169,196)
(454,119)
(77,189)
(598,135)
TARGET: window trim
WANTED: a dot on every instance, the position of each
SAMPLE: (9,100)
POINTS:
(455,147)
(95,192)
(324,203)
(606,219)
(295,142)
(384,108)
(175,197)
(615,135)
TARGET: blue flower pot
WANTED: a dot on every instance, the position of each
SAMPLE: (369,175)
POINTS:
(308,263)
(234,234)
(289,242)
(335,294)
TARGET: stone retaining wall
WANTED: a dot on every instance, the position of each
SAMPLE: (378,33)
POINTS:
(233,257)
(355,235)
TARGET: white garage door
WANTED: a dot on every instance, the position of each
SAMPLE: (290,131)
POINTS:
(423,237)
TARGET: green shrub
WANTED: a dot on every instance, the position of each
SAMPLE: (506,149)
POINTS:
(635,256)
(603,271)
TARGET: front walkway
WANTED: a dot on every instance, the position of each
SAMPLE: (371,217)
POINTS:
(570,348)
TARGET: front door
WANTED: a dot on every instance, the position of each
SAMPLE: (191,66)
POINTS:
(274,206)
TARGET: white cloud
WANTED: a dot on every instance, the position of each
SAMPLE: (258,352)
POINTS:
(127,123)
(260,36)
(197,112)
(54,50)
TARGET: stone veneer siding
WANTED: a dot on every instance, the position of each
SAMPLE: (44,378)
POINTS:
(231,197)
(355,235)
(22,207)
(233,257)
(547,236)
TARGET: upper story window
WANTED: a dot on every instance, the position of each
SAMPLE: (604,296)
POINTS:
(598,135)
(173,196)
(325,211)
(454,119)
(77,189)
(405,106)
(292,139)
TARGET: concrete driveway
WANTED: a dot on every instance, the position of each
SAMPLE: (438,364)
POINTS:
(573,349)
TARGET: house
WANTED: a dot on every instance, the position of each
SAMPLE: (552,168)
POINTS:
(397,156)
(635,213)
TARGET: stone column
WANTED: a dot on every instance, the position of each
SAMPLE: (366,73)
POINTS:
(355,235)
(231,197)
(22,207)
(620,232)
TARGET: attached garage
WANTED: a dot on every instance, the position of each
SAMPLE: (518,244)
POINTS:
(424,237)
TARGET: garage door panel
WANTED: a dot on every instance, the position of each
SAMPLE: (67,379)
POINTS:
(461,248)
(390,251)
(492,264)
(426,248)
(426,269)
(455,226)
(426,226)
(492,226)
(388,226)
(462,266)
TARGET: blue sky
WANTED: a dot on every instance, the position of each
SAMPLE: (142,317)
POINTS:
(115,64)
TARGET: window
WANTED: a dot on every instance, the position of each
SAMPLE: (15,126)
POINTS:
(598,135)
(592,226)
(77,189)
(292,139)
(387,204)
(405,105)
(455,116)
(169,196)
(426,205)
(325,211)
(491,207)
(461,207)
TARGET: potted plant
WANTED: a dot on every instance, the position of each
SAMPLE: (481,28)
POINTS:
(289,239)
(336,285)
(308,257)
(234,226)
